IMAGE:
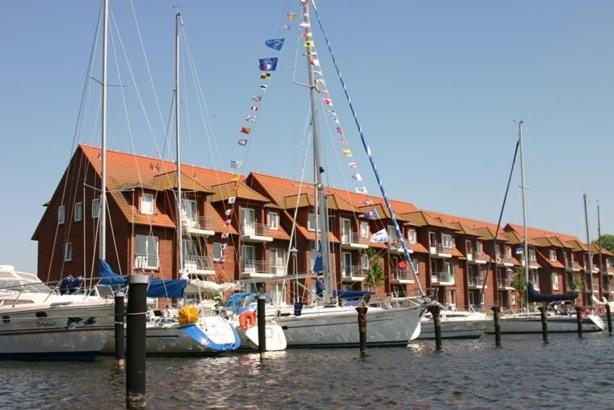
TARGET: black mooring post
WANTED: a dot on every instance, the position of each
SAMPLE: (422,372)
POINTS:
(496,310)
(135,357)
(542,311)
(119,329)
(609,316)
(579,320)
(436,313)
(362,329)
(261,326)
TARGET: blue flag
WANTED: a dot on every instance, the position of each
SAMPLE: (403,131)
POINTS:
(275,43)
(318,264)
(268,64)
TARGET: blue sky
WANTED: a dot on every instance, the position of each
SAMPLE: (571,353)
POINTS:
(437,86)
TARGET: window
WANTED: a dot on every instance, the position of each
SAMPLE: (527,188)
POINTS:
(146,252)
(414,264)
(555,281)
(364,261)
(446,240)
(479,247)
(447,267)
(552,254)
(432,239)
(61,214)
(278,257)
(469,247)
(608,263)
(189,212)
(311,223)
(68,252)
(411,236)
(218,251)
(508,252)
(78,212)
(147,204)
(364,229)
(532,254)
(273,220)
(95,208)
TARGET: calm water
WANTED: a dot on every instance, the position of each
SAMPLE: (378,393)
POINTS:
(567,373)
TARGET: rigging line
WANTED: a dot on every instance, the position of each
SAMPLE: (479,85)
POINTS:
(507,188)
(368,151)
(149,74)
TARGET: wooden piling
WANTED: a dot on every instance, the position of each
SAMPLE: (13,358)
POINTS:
(261,326)
(579,320)
(609,316)
(119,330)
(542,311)
(496,310)
(362,329)
(436,313)
(135,358)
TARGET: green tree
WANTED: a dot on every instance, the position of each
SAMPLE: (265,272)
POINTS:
(606,241)
(375,275)
(519,282)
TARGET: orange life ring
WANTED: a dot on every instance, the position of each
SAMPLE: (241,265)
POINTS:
(247,319)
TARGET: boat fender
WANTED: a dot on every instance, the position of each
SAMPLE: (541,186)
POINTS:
(188,315)
(247,319)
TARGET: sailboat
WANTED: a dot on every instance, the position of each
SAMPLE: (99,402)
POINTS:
(182,331)
(530,322)
(330,322)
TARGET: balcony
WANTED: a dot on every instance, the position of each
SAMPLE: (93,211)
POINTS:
(354,273)
(475,281)
(262,269)
(255,232)
(397,248)
(353,240)
(198,265)
(401,276)
(576,267)
(442,279)
(478,257)
(437,249)
(505,283)
(505,261)
(198,226)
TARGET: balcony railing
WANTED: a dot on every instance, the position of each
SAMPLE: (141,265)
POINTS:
(201,222)
(354,238)
(438,248)
(475,280)
(355,271)
(504,282)
(263,267)
(402,275)
(442,278)
(198,263)
(575,266)
(255,231)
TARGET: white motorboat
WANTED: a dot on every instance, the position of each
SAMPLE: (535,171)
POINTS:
(520,323)
(38,323)
(456,325)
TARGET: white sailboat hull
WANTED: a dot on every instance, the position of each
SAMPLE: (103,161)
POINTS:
(522,323)
(470,326)
(338,326)
(211,335)
(47,332)
(275,338)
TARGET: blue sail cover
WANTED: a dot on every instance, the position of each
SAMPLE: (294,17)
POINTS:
(159,288)
(352,294)
(535,296)
(108,277)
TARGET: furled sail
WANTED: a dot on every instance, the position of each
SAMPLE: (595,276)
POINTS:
(535,296)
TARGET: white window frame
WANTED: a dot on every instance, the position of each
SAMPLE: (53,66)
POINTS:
(95,208)
(479,247)
(415,265)
(532,256)
(78,212)
(273,220)
(412,236)
(68,252)
(556,284)
(145,207)
(552,254)
(446,240)
(218,251)
(508,252)
(144,259)
(311,222)
(61,214)
(189,212)
(364,261)
(365,230)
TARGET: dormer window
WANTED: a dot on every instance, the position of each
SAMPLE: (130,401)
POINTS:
(61,214)
(147,204)
(479,247)
(68,252)
(95,208)
(446,240)
(532,255)
(364,229)
(273,220)
(78,214)
(411,236)
(552,255)
(508,252)
(311,222)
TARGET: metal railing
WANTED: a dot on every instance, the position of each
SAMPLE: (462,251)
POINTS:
(504,282)
(191,262)
(201,222)
(355,271)
(439,248)
(402,274)
(475,280)
(255,229)
(442,277)
(266,267)
(348,238)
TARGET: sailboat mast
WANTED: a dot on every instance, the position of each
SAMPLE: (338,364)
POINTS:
(178,143)
(599,244)
(524,213)
(590,255)
(322,227)
(103,188)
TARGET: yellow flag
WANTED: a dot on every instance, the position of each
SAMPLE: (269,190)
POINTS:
(347,152)
(236,177)
(292,16)
(309,44)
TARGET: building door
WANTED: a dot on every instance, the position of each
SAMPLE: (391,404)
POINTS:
(346,267)
(346,231)
(248,221)
(249,259)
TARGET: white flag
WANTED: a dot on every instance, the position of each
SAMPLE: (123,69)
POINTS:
(380,236)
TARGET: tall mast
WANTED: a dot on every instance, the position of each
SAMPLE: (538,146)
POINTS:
(599,244)
(590,255)
(178,143)
(103,189)
(524,213)
(322,227)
